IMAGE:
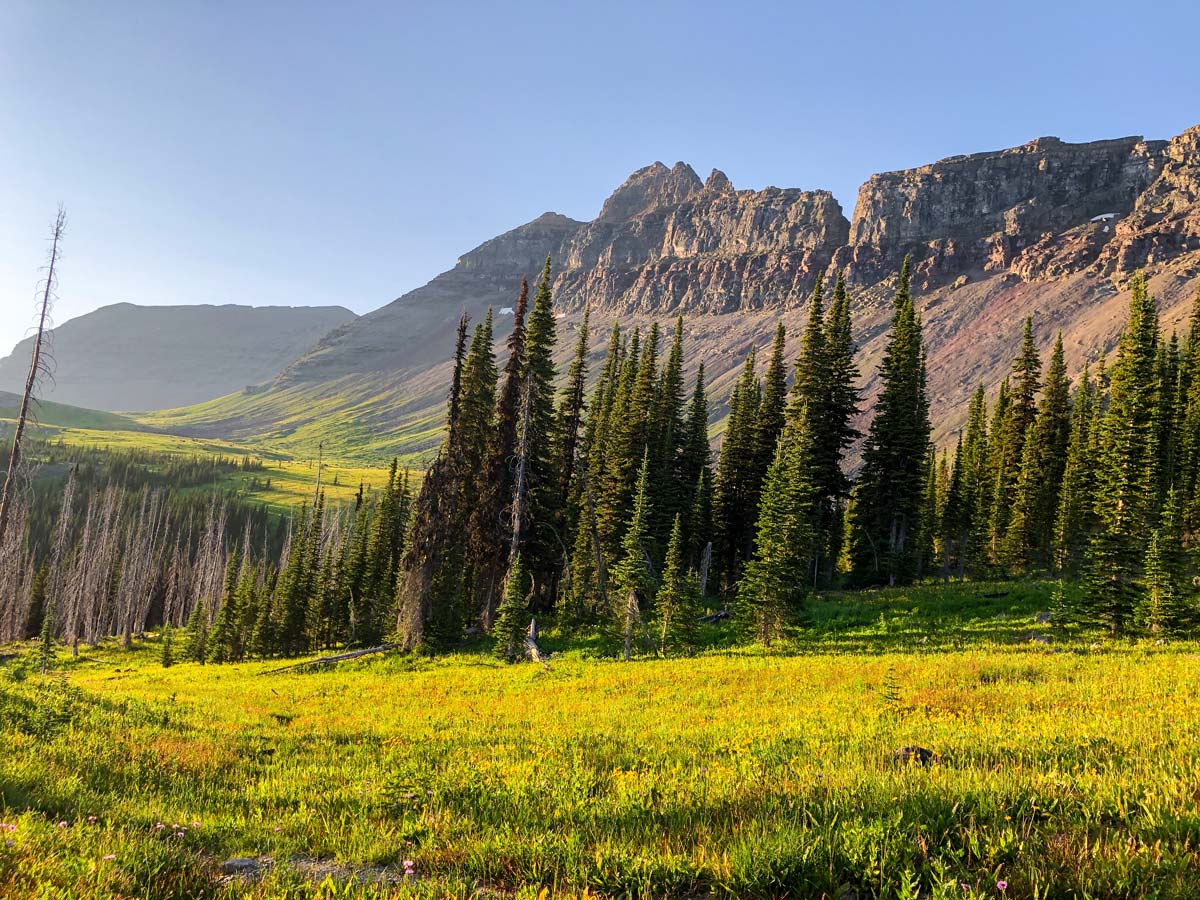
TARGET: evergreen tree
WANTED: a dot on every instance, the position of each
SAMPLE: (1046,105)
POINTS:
(37,601)
(633,582)
(490,519)
(887,506)
(736,489)
(678,598)
(1125,475)
(539,536)
(168,651)
(1165,606)
(46,642)
(222,642)
(775,579)
(197,633)
(1020,414)
(512,617)
(1074,518)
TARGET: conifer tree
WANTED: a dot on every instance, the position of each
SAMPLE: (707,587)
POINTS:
(678,598)
(771,409)
(46,642)
(512,617)
(223,640)
(1074,518)
(887,505)
(490,519)
(1165,607)
(37,601)
(832,431)
(633,581)
(168,650)
(197,633)
(1019,415)
(540,538)
(775,579)
(1044,459)
(736,487)
(1125,476)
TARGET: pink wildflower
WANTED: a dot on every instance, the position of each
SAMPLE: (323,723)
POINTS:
(62,824)
(1002,885)
(110,856)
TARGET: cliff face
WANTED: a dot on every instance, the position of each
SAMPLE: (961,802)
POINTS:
(1047,229)
(983,211)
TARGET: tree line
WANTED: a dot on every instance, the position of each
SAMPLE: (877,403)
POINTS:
(604,508)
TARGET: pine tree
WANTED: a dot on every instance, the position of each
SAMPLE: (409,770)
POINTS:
(678,598)
(771,409)
(512,617)
(831,429)
(1074,518)
(37,601)
(490,519)
(1031,531)
(46,641)
(775,579)
(633,582)
(1165,607)
(887,506)
(222,642)
(197,633)
(1014,428)
(168,652)
(1125,477)
(736,488)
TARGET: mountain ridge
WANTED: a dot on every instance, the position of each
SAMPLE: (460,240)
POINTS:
(1047,228)
(127,357)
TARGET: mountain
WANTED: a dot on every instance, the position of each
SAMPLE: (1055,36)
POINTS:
(127,357)
(1048,229)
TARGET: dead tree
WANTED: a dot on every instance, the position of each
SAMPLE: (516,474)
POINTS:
(36,369)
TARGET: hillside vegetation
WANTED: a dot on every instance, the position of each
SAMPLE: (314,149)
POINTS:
(1064,769)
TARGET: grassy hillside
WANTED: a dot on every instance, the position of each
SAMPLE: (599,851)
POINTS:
(282,482)
(1067,769)
(48,415)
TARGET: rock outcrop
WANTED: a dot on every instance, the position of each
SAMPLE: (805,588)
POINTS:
(983,211)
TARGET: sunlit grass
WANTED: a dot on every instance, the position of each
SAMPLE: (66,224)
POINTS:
(1067,769)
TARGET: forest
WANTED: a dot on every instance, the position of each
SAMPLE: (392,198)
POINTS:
(602,510)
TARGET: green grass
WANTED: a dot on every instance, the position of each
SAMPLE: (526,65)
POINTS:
(1067,769)
(292,481)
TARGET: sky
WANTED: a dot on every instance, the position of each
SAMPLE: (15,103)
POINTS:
(305,153)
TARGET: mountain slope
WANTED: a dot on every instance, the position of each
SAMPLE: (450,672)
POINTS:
(127,357)
(1048,229)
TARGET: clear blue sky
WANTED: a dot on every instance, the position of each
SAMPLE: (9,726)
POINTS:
(342,153)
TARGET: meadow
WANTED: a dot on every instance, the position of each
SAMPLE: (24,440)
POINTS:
(1068,766)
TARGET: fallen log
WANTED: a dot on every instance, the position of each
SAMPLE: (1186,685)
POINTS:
(330,660)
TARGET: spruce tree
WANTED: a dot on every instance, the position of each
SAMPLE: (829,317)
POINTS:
(197,633)
(512,617)
(678,598)
(1125,476)
(543,553)
(1074,518)
(736,488)
(774,583)
(490,519)
(168,650)
(1166,590)
(1014,428)
(223,640)
(887,505)
(633,582)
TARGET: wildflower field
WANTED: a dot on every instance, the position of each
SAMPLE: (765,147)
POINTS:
(1069,768)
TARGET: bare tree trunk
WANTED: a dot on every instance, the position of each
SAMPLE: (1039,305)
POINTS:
(35,370)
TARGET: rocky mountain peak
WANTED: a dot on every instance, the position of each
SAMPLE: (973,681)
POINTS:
(718,183)
(651,188)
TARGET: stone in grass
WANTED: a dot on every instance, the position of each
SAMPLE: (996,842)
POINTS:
(1038,639)
(244,866)
(1043,618)
(916,756)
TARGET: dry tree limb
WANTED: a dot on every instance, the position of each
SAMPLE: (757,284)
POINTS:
(35,370)
(330,660)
